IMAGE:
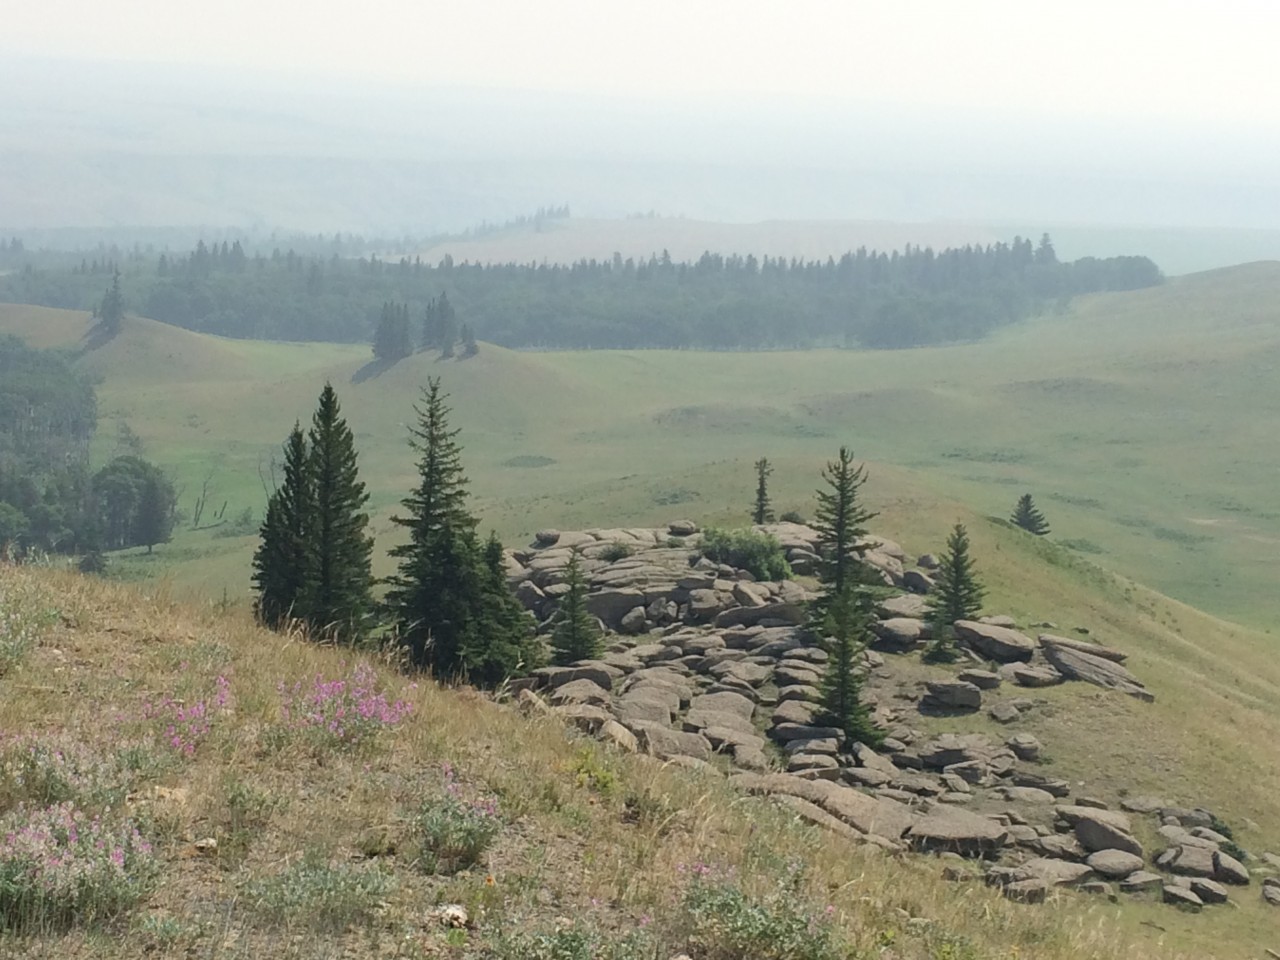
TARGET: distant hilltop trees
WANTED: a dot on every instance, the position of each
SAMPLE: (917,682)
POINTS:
(864,298)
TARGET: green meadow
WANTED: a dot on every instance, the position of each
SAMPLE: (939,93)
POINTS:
(1141,422)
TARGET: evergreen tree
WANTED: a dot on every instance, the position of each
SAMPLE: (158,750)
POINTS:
(576,635)
(763,512)
(1027,516)
(447,325)
(956,595)
(339,589)
(469,346)
(436,591)
(846,627)
(500,641)
(154,521)
(282,562)
(840,519)
(111,310)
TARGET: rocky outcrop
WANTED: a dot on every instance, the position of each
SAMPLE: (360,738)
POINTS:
(995,642)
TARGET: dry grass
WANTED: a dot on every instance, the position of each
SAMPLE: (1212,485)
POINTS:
(605,839)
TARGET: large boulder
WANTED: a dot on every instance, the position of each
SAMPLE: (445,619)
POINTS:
(665,743)
(789,613)
(1101,829)
(953,694)
(899,634)
(951,829)
(1031,674)
(1055,872)
(911,606)
(598,673)
(1078,665)
(614,604)
(1115,863)
(996,643)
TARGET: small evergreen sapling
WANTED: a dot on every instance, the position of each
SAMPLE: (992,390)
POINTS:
(846,627)
(576,635)
(957,595)
(1027,516)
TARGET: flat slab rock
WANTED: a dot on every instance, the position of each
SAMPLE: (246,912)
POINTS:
(1078,665)
(951,829)
(998,643)
(869,815)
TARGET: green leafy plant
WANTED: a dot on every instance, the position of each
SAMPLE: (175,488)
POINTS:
(750,550)
(615,552)
(453,832)
(321,895)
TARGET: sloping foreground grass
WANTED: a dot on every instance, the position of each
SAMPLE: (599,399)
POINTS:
(320,835)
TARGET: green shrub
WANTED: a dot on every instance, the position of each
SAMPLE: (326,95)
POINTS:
(615,552)
(721,922)
(758,553)
(579,942)
(320,895)
(20,628)
(453,833)
(792,516)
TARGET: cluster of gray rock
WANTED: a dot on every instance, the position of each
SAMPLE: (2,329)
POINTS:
(726,680)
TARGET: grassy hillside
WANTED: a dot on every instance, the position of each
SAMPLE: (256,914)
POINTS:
(271,837)
(1138,420)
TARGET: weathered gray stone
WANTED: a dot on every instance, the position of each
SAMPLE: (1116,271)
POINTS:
(1208,890)
(917,581)
(1003,712)
(1024,746)
(946,828)
(955,694)
(1031,675)
(1180,896)
(593,670)
(580,691)
(899,634)
(982,679)
(909,605)
(1077,665)
(794,711)
(811,761)
(1084,646)
(786,732)
(997,643)
(1026,891)
(622,738)
(1055,872)
(725,702)
(789,613)
(1101,829)
(1141,881)
(585,716)
(1115,863)
(665,743)
(1227,869)
(1188,861)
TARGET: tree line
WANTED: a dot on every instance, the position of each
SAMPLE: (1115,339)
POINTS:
(863,298)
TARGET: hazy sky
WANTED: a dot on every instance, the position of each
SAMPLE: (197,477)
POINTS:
(1204,61)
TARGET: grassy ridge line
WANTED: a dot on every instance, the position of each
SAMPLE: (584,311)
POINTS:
(589,834)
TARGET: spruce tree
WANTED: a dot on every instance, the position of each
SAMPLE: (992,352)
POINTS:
(282,562)
(956,595)
(762,513)
(576,635)
(499,641)
(340,587)
(846,627)
(436,591)
(111,310)
(841,521)
(1027,516)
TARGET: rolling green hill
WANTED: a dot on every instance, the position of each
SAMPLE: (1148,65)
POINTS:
(1140,421)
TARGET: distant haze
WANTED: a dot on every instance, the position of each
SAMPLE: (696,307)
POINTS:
(399,118)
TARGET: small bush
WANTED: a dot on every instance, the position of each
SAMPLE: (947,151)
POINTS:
(347,712)
(748,550)
(724,923)
(51,770)
(791,516)
(186,727)
(59,866)
(453,832)
(615,552)
(320,895)
(578,942)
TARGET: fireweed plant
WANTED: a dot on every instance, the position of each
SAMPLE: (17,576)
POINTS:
(183,727)
(346,712)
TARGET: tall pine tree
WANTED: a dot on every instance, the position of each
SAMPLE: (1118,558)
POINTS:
(841,520)
(842,613)
(340,587)
(956,594)
(282,562)
(762,512)
(449,599)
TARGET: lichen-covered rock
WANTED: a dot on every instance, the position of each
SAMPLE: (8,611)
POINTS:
(997,643)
